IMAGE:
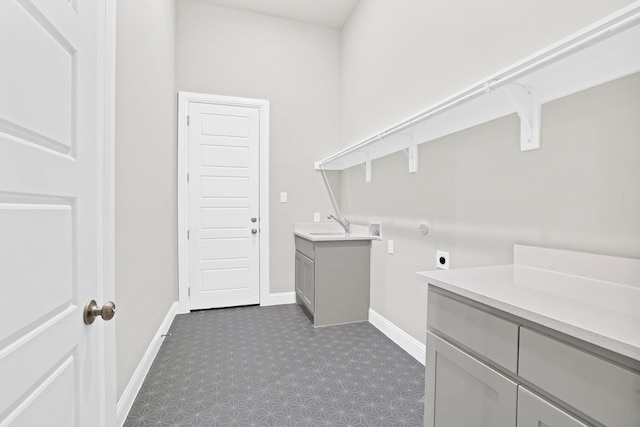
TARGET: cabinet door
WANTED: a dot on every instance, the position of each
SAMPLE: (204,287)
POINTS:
(533,411)
(305,281)
(299,275)
(309,284)
(462,391)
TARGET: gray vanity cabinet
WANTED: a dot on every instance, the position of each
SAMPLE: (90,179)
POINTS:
(332,280)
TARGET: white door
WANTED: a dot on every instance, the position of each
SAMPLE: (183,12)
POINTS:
(224,217)
(52,366)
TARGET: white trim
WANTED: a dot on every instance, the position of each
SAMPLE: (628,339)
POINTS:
(184,98)
(135,383)
(279,298)
(409,344)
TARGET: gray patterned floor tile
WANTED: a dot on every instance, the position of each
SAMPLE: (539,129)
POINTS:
(268,366)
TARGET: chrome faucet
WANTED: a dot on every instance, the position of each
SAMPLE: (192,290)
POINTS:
(343,222)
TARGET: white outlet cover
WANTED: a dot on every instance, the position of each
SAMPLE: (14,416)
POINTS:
(390,247)
(316,217)
(442,260)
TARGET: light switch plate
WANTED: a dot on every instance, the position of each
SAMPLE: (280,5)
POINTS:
(316,217)
(283,197)
(390,247)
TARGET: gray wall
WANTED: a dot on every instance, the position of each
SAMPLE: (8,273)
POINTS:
(146,260)
(296,66)
(477,191)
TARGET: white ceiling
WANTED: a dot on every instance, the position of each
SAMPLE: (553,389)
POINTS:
(331,13)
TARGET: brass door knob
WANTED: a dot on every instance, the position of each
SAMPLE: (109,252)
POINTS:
(91,311)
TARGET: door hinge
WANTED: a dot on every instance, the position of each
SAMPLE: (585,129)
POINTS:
(189,291)
(188,234)
(188,120)
(187,177)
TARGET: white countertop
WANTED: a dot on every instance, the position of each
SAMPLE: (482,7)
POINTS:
(327,232)
(603,313)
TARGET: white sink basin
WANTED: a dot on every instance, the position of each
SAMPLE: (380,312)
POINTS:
(328,232)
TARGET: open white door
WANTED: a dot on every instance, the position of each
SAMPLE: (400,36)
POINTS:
(52,94)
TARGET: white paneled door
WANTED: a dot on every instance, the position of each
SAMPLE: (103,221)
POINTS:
(224,217)
(52,366)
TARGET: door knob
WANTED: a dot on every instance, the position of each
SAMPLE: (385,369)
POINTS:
(91,311)
(254,231)
(254,219)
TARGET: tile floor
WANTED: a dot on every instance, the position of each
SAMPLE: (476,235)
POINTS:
(267,366)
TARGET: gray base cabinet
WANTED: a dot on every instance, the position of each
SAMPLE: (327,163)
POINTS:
(332,280)
(488,368)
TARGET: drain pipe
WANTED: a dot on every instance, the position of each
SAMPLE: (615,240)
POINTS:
(331,196)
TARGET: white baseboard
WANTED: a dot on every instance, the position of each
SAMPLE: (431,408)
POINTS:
(135,383)
(409,344)
(279,299)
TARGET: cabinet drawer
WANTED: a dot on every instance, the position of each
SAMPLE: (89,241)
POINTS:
(305,247)
(533,411)
(600,389)
(486,334)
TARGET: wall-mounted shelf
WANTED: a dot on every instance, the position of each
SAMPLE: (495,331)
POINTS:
(604,51)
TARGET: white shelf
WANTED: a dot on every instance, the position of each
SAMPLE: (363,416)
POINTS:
(604,51)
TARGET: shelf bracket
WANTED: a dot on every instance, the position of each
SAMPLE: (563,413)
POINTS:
(413,157)
(367,169)
(412,154)
(528,109)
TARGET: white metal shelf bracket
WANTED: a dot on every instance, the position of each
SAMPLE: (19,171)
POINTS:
(528,109)
(367,167)
(412,153)
(413,157)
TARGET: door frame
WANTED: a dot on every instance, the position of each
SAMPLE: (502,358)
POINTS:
(184,98)
(106,123)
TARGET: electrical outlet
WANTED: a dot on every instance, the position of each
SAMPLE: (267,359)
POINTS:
(442,260)
(390,247)
(316,217)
